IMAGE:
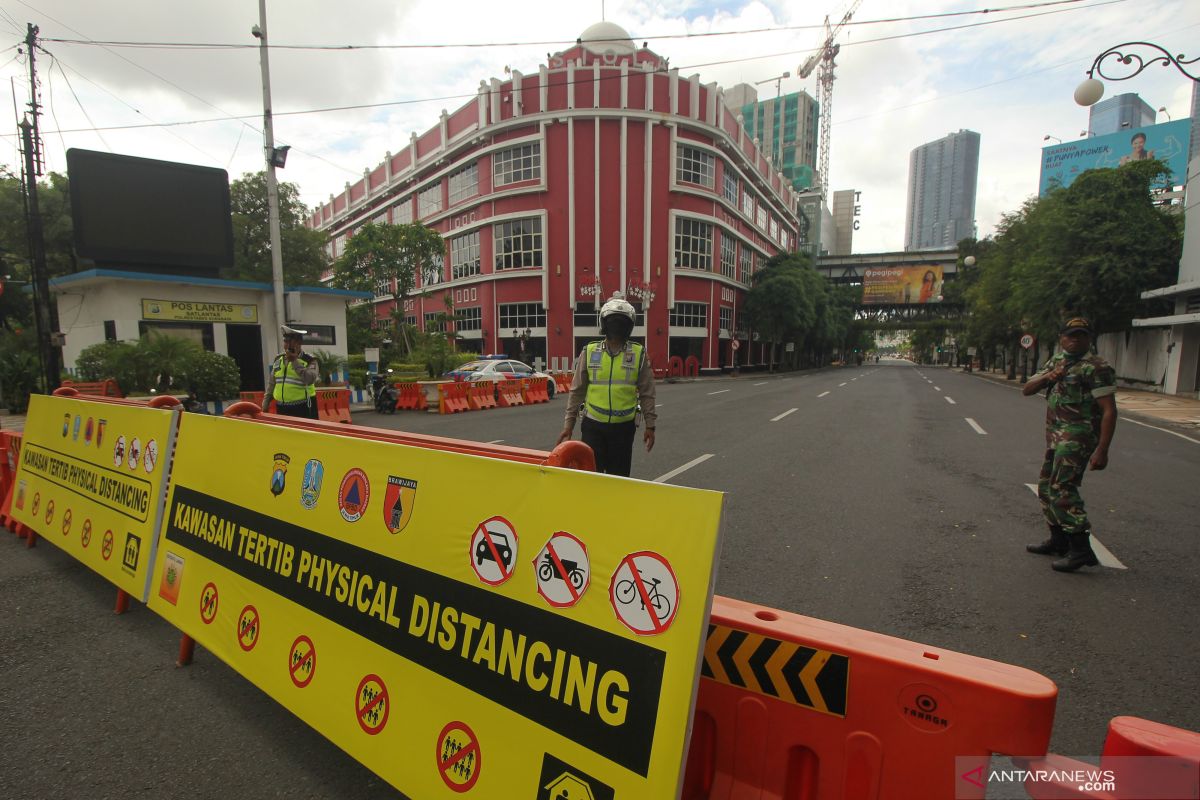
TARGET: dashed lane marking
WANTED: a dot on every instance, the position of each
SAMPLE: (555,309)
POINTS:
(1104,555)
(784,414)
(840,385)
(950,400)
(822,394)
(684,468)
(937,388)
(764,383)
(976,426)
(720,391)
(495,441)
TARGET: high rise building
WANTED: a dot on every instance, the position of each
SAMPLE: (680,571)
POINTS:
(786,128)
(1118,113)
(1194,148)
(942,176)
(843,222)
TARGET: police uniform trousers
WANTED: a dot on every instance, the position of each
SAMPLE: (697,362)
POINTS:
(612,443)
(304,408)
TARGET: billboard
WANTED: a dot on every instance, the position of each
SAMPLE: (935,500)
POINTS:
(890,285)
(1063,163)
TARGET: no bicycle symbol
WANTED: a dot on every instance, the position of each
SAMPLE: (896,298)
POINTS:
(208,603)
(106,546)
(371,704)
(248,628)
(458,757)
(302,663)
(494,550)
(645,593)
(563,572)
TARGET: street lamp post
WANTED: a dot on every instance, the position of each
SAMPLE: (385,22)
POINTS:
(1091,90)
(274,157)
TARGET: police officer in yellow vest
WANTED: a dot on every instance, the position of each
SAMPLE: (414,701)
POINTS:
(292,378)
(612,377)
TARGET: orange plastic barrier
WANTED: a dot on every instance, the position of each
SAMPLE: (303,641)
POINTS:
(104,388)
(452,398)
(562,381)
(333,404)
(1174,773)
(510,393)
(691,367)
(410,396)
(794,707)
(481,395)
(534,390)
(675,367)
(11,457)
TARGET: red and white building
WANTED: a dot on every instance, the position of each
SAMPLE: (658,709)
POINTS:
(605,170)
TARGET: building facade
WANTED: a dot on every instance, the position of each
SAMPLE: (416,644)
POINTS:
(1118,113)
(1194,146)
(786,127)
(942,177)
(604,171)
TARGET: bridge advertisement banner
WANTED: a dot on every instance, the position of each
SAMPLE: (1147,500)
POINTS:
(91,479)
(1168,142)
(902,285)
(451,621)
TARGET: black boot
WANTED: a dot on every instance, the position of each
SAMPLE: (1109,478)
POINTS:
(1080,554)
(1056,545)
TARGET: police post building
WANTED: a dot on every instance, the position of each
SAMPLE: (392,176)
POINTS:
(606,170)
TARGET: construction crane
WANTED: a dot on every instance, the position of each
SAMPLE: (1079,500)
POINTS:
(826,51)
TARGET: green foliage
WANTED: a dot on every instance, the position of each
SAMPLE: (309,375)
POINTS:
(397,366)
(19,369)
(210,376)
(165,357)
(791,301)
(303,248)
(121,361)
(358,377)
(328,363)
(356,361)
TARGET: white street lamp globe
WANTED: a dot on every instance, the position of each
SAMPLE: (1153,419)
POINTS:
(1089,92)
(969,261)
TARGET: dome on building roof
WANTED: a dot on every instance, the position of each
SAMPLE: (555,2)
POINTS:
(605,36)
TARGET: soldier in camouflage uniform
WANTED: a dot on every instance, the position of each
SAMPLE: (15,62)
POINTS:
(1081,415)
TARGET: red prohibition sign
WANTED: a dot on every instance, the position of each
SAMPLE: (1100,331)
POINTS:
(37,503)
(645,593)
(49,511)
(460,767)
(371,706)
(248,628)
(302,664)
(66,523)
(107,545)
(86,538)
(208,603)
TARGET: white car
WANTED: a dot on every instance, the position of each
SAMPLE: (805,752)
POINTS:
(499,369)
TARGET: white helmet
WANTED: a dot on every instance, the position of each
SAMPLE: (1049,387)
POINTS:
(617,304)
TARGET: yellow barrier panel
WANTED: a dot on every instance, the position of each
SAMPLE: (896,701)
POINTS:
(91,480)
(542,632)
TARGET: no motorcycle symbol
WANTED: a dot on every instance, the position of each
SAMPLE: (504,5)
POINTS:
(563,570)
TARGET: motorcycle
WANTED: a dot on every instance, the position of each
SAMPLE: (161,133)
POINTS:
(385,394)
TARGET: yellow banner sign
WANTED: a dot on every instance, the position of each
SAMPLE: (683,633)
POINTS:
(505,640)
(902,285)
(189,311)
(91,479)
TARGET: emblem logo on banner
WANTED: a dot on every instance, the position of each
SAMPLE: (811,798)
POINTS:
(87,430)
(494,550)
(563,571)
(75,428)
(645,593)
(100,426)
(398,502)
(279,474)
(133,551)
(172,578)
(559,779)
(310,484)
(354,494)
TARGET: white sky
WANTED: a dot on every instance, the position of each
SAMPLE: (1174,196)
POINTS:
(1010,81)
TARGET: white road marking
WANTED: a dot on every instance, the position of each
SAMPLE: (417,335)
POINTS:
(1164,430)
(722,391)
(1103,554)
(950,400)
(495,441)
(684,468)
(975,425)
(937,388)
(822,394)
(784,414)
(840,385)
(764,383)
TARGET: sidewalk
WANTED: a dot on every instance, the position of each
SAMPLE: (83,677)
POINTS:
(1138,403)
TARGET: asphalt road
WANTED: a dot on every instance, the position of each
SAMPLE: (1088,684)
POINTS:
(858,495)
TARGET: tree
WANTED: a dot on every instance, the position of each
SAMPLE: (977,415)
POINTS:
(210,376)
(303,248)
(381,256)
(782,301)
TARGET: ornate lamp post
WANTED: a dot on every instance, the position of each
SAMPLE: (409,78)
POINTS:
(1091,90)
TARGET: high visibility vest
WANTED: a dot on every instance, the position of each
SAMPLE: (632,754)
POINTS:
(289,388)
(612,394)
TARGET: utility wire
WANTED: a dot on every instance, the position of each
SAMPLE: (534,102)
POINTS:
(550,42)
(55,62)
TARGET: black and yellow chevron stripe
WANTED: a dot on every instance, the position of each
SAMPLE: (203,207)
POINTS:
(816,679)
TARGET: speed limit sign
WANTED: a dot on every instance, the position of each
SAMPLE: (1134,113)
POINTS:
(1027,341)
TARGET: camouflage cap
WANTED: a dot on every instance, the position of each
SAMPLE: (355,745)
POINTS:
(1075,325)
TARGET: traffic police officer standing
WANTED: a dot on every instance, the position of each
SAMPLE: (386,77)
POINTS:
(1081,415)
(612,377)
(292,378)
